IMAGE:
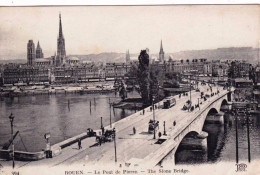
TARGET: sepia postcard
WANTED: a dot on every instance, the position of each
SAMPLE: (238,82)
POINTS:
(130,90)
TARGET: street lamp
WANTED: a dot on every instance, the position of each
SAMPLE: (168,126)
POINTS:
(153,119)
(110,113)
(164,132)
(114,136)
(199,103)
(11,117)
(102,127)
(190,87)
(236,113)
(248,137)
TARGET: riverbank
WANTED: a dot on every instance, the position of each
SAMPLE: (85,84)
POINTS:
(130,103)
(16,91)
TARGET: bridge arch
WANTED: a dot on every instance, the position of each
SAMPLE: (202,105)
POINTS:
(212,111)
(224,105)
(189,146)
(224,102)
(191,134)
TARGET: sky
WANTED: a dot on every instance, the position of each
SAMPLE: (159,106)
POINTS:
(96,29)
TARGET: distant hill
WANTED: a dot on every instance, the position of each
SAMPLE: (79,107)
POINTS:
(231,53)
(103,57)
(17,61)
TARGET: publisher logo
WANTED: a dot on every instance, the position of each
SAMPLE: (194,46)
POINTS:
(241,167)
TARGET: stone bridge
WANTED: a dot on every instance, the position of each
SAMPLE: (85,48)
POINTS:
(190,135)
(141,148)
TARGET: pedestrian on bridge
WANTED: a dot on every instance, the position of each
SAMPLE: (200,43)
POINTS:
(134,130)
(159,134)
(103,130)
(100,141)
(174,123)
(79,144)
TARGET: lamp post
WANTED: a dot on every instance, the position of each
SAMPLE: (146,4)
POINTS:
(199,103)
(11,117)
(153,119)
(102,128)
(237,158)
(248,138)
(190,87)
(164,132)
(110,113)
(114,135)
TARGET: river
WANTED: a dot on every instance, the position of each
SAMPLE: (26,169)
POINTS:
(63,116)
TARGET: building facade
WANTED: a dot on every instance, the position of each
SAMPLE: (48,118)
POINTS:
(116,70)
(239,69)
(76,74)
(25,74)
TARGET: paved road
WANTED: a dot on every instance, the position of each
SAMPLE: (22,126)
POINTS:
(129,146)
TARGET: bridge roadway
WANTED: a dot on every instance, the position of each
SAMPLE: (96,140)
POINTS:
(138,148)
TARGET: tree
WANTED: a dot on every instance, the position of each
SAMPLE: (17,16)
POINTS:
(149,79)
(143,77)
(172,79)
(122,91)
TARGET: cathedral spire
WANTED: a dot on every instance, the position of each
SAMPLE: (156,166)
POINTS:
(39,53)
(60,29)
(61,52)
(161,53)
(38,45)
(161,49)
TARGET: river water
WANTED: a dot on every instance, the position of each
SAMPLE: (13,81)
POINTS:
(37,115)
(63,116)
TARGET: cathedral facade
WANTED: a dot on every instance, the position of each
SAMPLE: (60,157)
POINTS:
(36,57)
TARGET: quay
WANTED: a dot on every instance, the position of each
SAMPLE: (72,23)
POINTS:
(16,91)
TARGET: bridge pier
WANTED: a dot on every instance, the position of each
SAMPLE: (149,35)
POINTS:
(199,142)
(225,108)
(215,118)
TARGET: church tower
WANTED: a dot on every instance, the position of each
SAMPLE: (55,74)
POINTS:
(30,53)
(127,57)
(39,53)
(61,52)
(161,53)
